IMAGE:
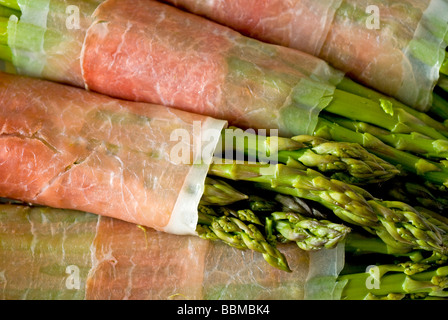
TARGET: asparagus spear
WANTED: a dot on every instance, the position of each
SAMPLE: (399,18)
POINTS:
(413,142)
(433,172)
(238,234)
(396,223)
(12,4)
(416,194)
(442,83)
(396,282)
(402,226)
(348,162)
(308,233)
(359,245)
(219,192)
(439,106)
(355,88)
(297,205)
(382,114)
(308,184)
(242,229)
(444,66)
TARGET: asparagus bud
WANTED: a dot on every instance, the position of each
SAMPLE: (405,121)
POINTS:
(240,235)
(309,234)
(219,192)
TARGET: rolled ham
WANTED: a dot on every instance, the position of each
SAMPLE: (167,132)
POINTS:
(48,253)
(396,47)
(152,52)
(65,147)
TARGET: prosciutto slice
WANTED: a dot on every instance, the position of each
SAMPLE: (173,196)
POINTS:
(155,53)
(396,47)
(48,253)
(65,147)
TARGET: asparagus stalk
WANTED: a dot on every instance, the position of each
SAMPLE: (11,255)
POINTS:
(3,30)
(444,66)
(355,88)
(413,142)
(396,282)
(219,192)
(309,234)
(416,194)
(443,83)
(399,225)
(382,114)
(359,245)
(433,172)
(440,106)
(348,162)
(308,184)
(238,234)
(12,4)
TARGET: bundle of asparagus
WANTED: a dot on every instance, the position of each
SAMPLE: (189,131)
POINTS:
(84,163)
(316,169)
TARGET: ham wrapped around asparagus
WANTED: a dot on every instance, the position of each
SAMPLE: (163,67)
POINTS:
(396,47)
(155,53)
(54,254)
(68,148)
(65,147)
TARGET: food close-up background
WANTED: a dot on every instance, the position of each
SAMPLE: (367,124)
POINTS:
(223,150)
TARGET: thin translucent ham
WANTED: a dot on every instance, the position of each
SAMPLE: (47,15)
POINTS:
(153,52)
(48,253)
(400,55)
(65,147)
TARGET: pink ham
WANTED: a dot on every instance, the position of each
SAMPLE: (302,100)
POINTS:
(153,52)
(73,149)
(339,32)
(48,253)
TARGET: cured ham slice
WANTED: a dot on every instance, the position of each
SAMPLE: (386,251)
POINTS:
(49,253)
(155,53)
(65,147)
(396,47)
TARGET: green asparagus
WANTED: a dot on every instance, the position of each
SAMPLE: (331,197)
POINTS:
(238,234)
(308,184)
(416,194)
(434,172)
(218,192)
(399,225)
(402,281)
(309,234)
(12,4)
(413,142)
(357,119)
(344,161)
(382,114)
